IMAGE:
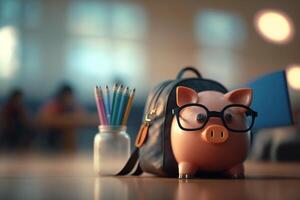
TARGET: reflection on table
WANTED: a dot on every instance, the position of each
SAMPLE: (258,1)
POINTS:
(72,177)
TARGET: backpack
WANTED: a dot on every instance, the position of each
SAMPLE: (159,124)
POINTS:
(153,153)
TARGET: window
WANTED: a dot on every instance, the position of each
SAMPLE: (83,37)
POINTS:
(9,43)
(83,42)
(19,49)
(106,43)
(8,48)
(219,35)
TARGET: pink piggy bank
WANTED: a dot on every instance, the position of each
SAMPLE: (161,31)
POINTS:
(211,131)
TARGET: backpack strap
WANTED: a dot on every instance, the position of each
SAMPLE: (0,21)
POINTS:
(132,162)
(186,69)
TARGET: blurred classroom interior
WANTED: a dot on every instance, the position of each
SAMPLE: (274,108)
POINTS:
(48,44)
(53,53)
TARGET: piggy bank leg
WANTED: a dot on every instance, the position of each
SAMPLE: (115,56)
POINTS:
(236,172)
(186,170)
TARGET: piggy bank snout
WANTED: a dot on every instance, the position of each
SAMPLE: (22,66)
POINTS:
(215,134)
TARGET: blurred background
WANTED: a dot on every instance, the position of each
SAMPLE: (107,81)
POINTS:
(53,53)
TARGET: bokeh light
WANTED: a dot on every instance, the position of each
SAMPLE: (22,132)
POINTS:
(293,76)
(8,45)
(274,26)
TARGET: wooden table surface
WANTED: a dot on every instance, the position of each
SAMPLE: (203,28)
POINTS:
(71,177)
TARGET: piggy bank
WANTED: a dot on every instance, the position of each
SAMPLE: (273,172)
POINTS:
(210,131)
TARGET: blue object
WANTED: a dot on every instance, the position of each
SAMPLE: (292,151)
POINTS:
(271,101)
(107,104)
(116,107)
(122,106)
(113,105)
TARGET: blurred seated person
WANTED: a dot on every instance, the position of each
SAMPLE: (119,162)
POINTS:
(60,117)
(16,126)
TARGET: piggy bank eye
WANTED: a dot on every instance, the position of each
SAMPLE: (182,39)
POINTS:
(201,118)
(228,118)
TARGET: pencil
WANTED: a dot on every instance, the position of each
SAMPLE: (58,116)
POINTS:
(107,103)
(122,106)
(114,93)
(102,105)
(98,105)
(116,105)
(128,108)
(100,108)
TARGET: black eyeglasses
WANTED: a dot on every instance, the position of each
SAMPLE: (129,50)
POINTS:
(235,117)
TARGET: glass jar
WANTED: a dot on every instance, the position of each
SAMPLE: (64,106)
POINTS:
(111,149)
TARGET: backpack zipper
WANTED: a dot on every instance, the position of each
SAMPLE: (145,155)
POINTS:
(151,115)
(143,132)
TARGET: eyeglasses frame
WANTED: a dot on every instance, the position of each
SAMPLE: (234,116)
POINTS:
(210,114)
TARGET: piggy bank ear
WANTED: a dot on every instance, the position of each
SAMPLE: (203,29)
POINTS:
(240,96)
(185,95)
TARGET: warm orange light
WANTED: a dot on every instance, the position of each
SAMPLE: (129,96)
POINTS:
(274,26)
(293,76)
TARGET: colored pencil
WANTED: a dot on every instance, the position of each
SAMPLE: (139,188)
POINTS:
(100,106)
(128,108)
(114,93)
(122,106)
(116,105)
(114,113)
(107,103)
